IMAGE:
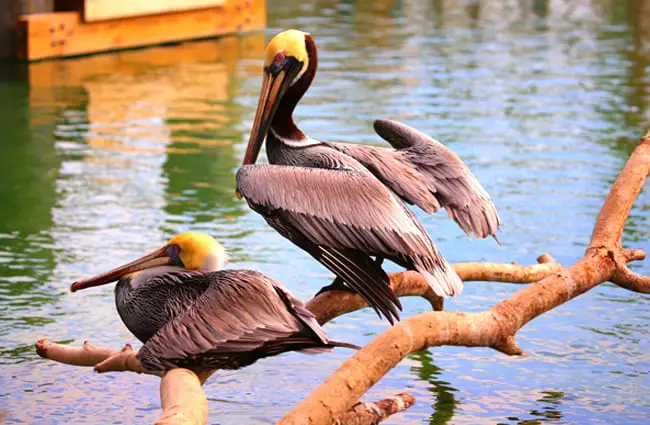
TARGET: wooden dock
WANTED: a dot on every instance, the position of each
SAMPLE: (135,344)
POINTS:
(60,28)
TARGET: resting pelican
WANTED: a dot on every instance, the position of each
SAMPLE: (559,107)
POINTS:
(343,203)
(189,313)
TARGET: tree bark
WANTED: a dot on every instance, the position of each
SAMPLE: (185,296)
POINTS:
(182,398)
(375,412)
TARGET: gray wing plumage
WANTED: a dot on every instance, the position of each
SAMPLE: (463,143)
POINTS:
(344,210)
(241,317)
(396,173)
(424,172)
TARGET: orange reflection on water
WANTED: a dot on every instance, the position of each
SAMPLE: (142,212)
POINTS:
(140,101)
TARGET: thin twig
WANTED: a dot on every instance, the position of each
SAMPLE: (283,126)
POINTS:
(374,412)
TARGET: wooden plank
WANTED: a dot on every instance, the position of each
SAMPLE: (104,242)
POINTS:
(101,10)
(79,72)
(63,34)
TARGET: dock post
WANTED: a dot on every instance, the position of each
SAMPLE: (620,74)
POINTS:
(10,10)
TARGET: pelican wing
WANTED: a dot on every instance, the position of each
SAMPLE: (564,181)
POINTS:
(447,176)
(241,316)
(336,215)
(391,168)
(424,172)
(342,209)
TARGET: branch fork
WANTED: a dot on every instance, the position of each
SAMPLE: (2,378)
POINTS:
(604,260)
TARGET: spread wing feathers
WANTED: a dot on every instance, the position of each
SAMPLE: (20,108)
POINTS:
(241,317)
(344,213)
(425,172)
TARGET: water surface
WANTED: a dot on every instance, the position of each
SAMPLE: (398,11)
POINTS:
(106,157)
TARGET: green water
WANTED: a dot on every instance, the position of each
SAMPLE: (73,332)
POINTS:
(104,158)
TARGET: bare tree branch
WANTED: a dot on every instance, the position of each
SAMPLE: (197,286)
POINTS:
(374,412)
(509,273)
(332,304)
(496,327)
(614,212)
(182,399)
(627,279)
(102,359)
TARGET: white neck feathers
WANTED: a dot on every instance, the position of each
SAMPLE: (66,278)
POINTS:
(296,143)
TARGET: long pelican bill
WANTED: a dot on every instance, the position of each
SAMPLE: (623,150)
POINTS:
(274,85)
(156,258)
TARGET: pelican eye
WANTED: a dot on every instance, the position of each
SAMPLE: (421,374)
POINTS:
(279,58)
(279,63)
(173,252)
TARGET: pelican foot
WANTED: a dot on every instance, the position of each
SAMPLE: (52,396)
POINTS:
(336,285)
(126,359)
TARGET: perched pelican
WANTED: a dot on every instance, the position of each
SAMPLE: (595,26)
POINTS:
(343,203)
(189,313)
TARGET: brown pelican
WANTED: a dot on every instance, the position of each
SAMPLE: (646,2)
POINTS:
(343,203)
(189,313)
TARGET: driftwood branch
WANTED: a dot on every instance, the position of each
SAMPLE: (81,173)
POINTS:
(375,412)
(605,259)
(510,273)
(102,359)
(181,394)
(182,398)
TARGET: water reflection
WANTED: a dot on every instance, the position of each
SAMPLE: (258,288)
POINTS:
(200,182)
(155,131)
(638,14)
(445,405)
(628,79)
(29,163)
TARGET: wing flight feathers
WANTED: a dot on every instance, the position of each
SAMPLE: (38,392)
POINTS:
(447,177)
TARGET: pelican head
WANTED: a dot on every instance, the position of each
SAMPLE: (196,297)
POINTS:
(189,251)
(286,60)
